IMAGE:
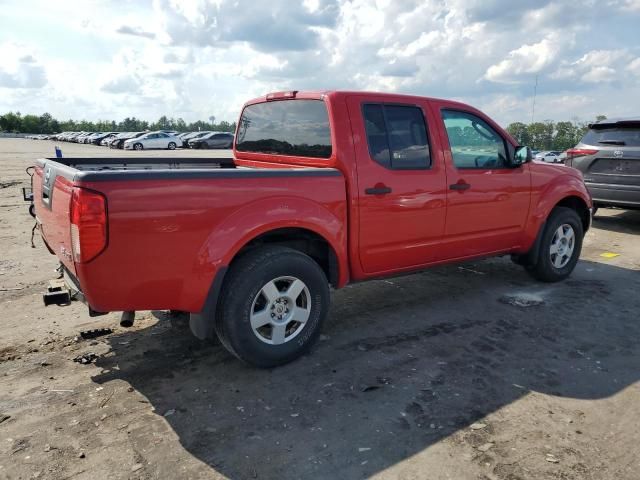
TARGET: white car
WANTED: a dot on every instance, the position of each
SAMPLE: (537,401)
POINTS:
(549,157)
(153,140)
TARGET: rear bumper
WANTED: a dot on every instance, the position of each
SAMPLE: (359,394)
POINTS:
(625,196)
(76,292)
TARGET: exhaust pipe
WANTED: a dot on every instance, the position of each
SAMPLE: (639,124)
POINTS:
(127,318)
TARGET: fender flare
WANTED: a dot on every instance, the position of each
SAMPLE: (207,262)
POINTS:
(215,257)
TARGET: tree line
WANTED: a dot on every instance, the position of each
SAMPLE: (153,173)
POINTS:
(14,122)
(549,135)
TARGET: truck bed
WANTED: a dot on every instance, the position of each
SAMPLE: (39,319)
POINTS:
(172,222)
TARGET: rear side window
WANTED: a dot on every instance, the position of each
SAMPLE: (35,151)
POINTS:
(397,136)
(298,128)
(617,136)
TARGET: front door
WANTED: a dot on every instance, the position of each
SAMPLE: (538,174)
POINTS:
(401,184)
(488,200)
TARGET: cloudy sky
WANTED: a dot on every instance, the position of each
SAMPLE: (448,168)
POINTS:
(196,58)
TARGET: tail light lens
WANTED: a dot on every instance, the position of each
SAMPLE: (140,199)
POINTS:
(88,224)
(574,153)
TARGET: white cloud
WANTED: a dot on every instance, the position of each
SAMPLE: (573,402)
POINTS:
(197,58)
(527,59)
(19,68)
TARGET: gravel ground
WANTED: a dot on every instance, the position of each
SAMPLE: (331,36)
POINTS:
(438,375)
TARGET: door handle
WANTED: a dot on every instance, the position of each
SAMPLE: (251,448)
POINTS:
(460,186)
(378,191)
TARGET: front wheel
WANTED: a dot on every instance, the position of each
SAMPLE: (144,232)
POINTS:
(273,305)
(560,246)
(171,146)
(137,146)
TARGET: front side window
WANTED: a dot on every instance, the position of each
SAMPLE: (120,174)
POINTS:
(397,136)
(473,142)
(286,127)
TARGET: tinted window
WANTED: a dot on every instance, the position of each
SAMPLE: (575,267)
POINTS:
(629,137)
(474,144)
(286,127)
(397,136)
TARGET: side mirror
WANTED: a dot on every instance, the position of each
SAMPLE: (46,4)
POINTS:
(522,155)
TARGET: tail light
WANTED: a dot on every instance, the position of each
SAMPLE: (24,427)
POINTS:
(88,224)
(574,153)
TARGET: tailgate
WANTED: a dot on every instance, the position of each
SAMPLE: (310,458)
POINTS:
(620,167)
(52,186)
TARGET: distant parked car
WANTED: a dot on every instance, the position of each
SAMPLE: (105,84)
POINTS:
(118,141)
(609,158)
(152,140)
(193,136)
(548,156)
(562,158)
(213,140)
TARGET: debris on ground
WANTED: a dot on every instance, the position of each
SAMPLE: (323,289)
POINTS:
(95,333)
(550,458)
(364,449)
(522,300)
(86,358)
(486,446)
(609,255)
(4,417)
(136,467)
(477,426)
(169,412)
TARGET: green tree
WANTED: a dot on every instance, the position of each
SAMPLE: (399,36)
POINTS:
(520,132)
(30,124)
(11,122)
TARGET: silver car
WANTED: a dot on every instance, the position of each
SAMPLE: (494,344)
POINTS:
(153,140)
(609,158)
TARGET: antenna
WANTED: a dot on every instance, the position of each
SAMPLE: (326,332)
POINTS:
(535,91)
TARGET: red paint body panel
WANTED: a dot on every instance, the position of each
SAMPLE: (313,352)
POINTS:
(168,238)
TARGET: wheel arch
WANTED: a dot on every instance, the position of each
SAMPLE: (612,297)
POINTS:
(303,240)
(580,206)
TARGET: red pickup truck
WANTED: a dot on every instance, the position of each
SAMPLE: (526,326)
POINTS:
(324,188)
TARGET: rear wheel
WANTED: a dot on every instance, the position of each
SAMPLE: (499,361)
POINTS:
(171,146)
(273,305)
(137,146)
(560,246)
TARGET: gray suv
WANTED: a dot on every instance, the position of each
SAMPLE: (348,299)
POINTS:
(609,158)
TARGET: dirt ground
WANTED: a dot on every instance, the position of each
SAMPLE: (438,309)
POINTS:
(436,375)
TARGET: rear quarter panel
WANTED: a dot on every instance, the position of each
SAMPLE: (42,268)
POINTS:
(168,238)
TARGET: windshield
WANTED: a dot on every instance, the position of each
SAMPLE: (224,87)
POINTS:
(286,127)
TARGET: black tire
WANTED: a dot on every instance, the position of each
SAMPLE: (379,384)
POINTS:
(242,292)
(138,146)
(544,269)
(171,146)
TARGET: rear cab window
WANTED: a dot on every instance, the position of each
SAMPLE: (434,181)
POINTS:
(397,136)
(298,128)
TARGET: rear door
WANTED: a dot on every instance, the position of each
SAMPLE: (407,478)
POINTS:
(401,184)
